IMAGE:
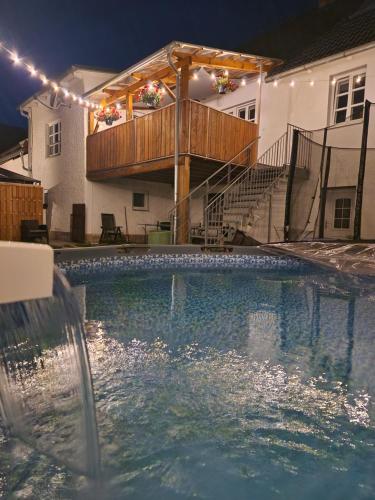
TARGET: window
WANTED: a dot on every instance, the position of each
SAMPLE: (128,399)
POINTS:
(54,139)
(349,97)
(247,111)
(342,213)
(140,201)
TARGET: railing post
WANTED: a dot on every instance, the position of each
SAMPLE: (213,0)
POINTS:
(292,170)
(323,195)
(361,173)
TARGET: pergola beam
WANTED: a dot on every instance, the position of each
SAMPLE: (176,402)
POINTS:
(227,63)
(120,95)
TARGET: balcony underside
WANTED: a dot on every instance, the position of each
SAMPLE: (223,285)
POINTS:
(159,171)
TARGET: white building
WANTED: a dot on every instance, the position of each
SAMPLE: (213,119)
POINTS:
(324,86)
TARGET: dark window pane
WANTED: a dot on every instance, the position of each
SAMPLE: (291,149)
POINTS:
(339,202)
(340,116)
(345,224)
(358,96)
(337,224)
(346,213)
(357,113)
(138,200)
(342,101)
(342,86)
(252,113)
(359,81)
(242,113)
(347,202)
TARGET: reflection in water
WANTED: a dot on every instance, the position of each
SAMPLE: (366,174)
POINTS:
(226,384)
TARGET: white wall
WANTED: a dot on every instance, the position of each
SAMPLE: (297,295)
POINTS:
(17,165)
(113,197)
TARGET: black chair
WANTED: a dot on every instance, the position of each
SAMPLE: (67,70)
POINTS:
(31,230)
(109,229)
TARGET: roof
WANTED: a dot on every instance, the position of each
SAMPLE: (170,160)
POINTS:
(10,136)
(354,31)
(71,69)
(20,149)
(201,56)
(9,176)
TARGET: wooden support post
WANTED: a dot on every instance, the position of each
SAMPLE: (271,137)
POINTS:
(183,208)
(129,107)
(91,124)
(185,74)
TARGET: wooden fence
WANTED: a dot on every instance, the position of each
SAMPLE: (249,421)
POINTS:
(18,202)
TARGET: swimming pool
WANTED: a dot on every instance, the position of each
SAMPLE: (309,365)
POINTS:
(229,377)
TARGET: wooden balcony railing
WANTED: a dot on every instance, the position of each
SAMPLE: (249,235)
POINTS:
(204,132)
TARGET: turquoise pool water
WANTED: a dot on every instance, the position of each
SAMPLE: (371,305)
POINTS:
(253,382)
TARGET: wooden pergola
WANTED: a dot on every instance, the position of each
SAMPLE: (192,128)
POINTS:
(176,62)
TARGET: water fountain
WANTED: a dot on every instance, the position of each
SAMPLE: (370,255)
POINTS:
(46,396)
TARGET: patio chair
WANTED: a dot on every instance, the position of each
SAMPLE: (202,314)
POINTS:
(109,229)
(31,230)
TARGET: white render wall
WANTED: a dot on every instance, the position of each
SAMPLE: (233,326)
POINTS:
(16,165)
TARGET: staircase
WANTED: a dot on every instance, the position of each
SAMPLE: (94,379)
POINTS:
(254,202)
(251,199)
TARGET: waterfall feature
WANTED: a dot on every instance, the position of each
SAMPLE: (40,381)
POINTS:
(46,396)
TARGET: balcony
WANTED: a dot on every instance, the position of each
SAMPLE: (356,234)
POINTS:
(144,147)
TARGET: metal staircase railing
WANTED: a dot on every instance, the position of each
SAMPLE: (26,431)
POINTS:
(228,209)
(217,181)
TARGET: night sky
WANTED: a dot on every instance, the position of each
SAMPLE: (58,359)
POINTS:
(54,34)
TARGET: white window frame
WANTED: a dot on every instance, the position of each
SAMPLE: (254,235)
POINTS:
(351,78)
(53,139)
(247,106)
(342,218)
(145,205)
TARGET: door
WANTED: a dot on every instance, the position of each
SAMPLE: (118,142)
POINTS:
(339,214)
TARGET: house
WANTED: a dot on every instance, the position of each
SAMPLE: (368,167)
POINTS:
(130,167)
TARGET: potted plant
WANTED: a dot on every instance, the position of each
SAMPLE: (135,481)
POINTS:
(108,115)
(150,94)
(223,85)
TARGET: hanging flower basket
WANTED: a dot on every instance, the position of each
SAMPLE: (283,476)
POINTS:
(223,85)
(108,115)
(151,95)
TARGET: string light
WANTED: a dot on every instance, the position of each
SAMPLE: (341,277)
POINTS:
(15,58)
(275,83)
(243,82)
(213,76)
(312,83)
(292,83)
(42,77)
(226,72)
(333,81)
(195,75)
(358,79)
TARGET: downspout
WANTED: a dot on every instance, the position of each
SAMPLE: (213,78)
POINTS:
(29,167)
(176,139)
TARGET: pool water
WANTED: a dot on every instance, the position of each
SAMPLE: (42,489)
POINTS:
(230,383)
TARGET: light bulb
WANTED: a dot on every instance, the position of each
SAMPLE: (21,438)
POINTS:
(226,72)
(195,75)
(44,79)
(213,76)
(333,81)
(275,83)
(80,100)
(15,58)
(312,83)
(358,79)
(118,105)
(74,97)
(292,83)
(32,70)
(243,82)
(55,86)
